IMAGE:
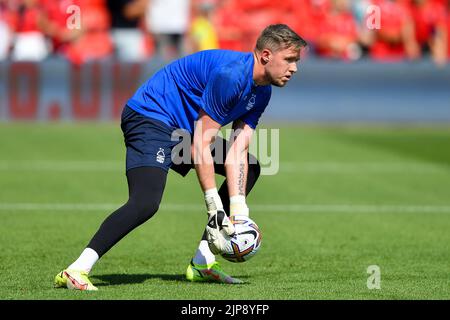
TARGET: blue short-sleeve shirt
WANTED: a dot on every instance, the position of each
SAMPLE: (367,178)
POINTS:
(218,81)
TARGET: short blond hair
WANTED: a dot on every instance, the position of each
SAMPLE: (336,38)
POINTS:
(279,36)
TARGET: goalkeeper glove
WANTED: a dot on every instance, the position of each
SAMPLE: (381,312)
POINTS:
(238,206)
(219,228)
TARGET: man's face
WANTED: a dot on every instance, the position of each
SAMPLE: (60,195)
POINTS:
(281,65)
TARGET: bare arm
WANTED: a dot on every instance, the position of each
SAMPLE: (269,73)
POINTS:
(136,9)
(204,134)
(439,46)
(236,163)
(409,39)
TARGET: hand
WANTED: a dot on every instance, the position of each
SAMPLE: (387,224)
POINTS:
(219,230)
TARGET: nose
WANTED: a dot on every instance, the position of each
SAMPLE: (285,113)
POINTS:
(293,69)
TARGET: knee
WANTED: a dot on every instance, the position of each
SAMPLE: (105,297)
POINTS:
(148,208)
(144,208)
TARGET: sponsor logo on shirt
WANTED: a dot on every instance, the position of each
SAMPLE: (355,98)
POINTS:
(251,102)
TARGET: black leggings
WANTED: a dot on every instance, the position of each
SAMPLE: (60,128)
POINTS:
(146,186)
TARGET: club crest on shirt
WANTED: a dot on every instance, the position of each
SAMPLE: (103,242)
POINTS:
(160,156)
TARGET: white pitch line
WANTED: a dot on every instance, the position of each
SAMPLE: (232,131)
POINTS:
(363,167)
(311,167)
(62,165)
(332,208)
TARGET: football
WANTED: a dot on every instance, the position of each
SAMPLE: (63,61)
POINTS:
(245,243)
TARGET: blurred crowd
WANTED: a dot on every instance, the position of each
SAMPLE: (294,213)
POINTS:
(138,30)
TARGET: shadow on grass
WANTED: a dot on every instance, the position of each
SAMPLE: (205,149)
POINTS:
(121,279)
(118,279)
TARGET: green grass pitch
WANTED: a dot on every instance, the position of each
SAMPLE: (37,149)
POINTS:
(345,198)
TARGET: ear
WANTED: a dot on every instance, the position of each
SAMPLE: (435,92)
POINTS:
(266,55)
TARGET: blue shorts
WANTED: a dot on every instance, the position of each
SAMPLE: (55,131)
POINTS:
(149,143)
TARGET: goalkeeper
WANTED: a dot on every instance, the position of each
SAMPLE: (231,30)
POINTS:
(199,94)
